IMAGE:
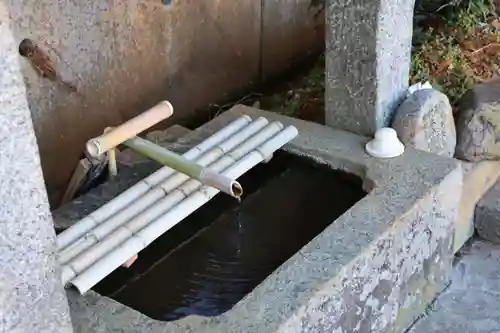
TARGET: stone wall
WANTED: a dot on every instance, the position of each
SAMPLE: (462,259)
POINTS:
(124,56)
(31,294)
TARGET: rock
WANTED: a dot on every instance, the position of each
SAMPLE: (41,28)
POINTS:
(477,181)
(425,121)
(167,136)
(487,215)
(478,123)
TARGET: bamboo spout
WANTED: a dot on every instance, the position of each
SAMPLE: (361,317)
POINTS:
(126,134)
(185,166)
(129,129)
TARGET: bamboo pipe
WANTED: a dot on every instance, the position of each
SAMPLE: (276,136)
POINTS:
(112,167)
(173,189)
(130,128)
(102,239)
(70,235)
(138,241)
(183,165)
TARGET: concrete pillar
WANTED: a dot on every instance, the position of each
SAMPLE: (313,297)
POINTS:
(368,45)
(32,298)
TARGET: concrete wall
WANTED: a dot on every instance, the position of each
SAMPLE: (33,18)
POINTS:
(125,55)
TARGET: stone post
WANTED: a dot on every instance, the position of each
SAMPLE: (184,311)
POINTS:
(32,298)
(368,44)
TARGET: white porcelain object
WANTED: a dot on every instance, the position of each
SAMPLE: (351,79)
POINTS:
(385,144)
(418,86)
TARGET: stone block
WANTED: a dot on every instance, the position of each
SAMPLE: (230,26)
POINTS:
(374,269)
(367,62)
(425,121)
(478,178)
(32,298)
(470,303)
(487,215)
(478,123)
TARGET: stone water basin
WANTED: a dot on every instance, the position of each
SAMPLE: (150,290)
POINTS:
(216,256)
(374,250)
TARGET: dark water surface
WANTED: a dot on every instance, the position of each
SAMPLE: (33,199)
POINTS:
(211,260)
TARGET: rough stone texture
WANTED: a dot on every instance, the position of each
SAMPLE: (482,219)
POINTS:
(478,178)
(478,123)
(168,136)
(487,215)
(291,30)
(32,298)
(373,270)
(425,121)
(368,60)
(472,301)
(124,56)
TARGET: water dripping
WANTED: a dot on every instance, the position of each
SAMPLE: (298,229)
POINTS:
(239,234)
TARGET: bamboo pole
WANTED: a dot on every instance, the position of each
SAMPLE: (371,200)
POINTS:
(185,166)
(134,126)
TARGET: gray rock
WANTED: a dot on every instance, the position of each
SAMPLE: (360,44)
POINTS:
(487,215)
(168,136)
(425,121)
(478,124)
(478,179)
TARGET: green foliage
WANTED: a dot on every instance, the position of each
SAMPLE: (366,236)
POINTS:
(464,14)
(445,7)
(440,29)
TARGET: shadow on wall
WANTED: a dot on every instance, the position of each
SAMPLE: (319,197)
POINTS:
(122,57)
